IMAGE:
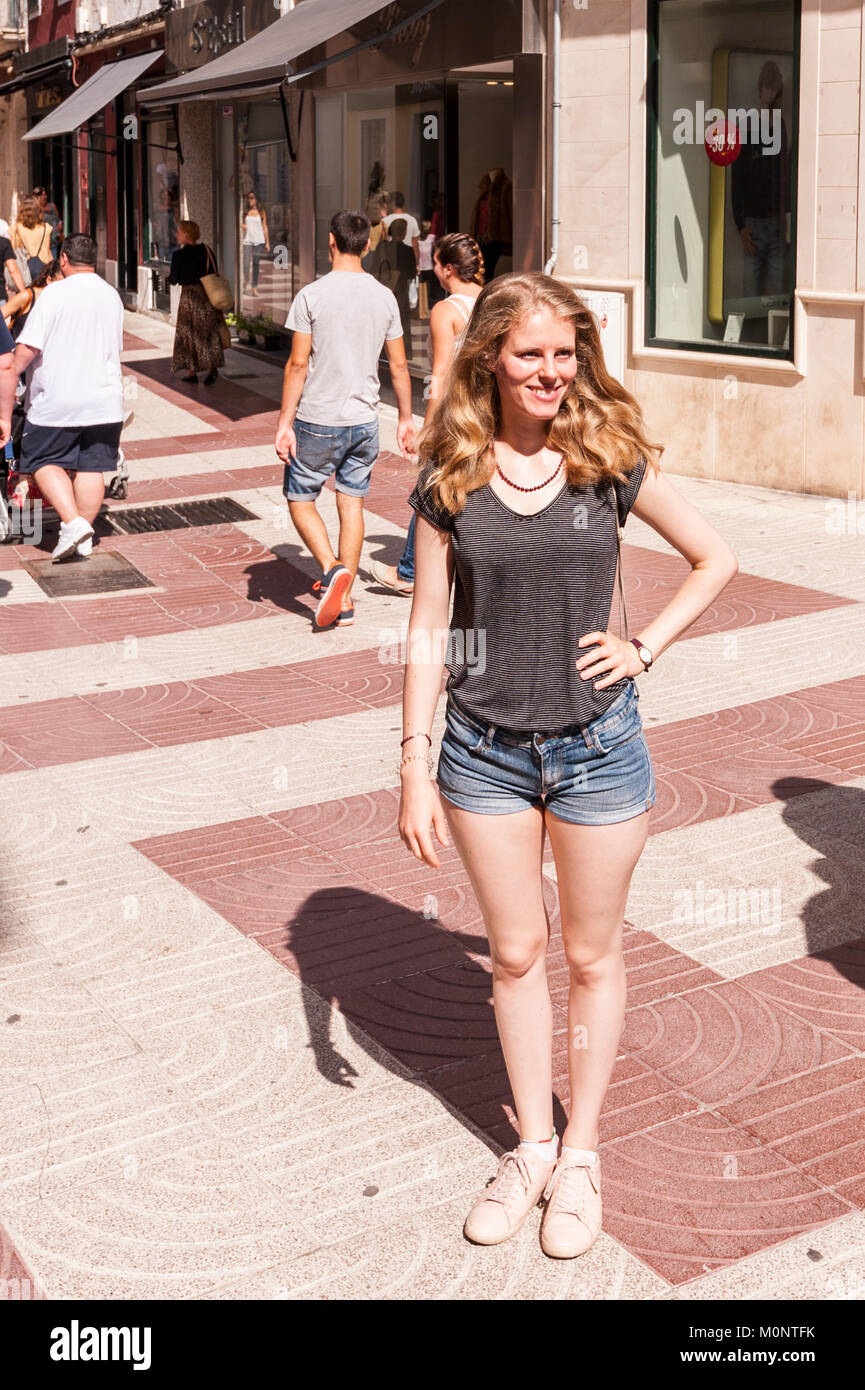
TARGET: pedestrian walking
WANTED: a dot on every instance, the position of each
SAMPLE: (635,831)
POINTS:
(197,344)
(459,268)
(530,454)
(51,215)
(8,382)
(404,262)
(71,344)
(10,273)
(396,210)
(18,306)
(31,240)
(256,242)
(328,422)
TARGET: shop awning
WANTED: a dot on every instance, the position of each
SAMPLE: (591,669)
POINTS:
(106,84)
(264,60)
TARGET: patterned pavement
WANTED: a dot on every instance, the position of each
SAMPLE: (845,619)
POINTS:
(246,1042)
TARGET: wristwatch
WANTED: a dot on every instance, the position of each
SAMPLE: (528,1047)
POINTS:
(643,652)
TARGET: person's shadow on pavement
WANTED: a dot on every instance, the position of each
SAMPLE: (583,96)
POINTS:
(414,987)
(835,826)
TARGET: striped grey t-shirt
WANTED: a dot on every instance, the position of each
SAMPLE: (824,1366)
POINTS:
(526,589)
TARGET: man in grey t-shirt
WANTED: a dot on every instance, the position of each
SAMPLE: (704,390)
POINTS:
(328,422)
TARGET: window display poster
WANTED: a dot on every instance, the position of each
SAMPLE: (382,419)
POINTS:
(609,310)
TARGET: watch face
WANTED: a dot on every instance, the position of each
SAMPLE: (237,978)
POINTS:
(645,654)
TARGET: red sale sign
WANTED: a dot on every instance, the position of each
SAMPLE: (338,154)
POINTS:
(722,142)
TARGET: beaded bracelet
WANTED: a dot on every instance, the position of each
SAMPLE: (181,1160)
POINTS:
(408,737)
(414,757)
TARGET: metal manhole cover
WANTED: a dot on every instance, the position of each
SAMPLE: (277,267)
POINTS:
(211,511)
(103,573)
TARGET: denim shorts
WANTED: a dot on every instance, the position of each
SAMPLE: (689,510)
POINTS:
(598,773)
(347,450)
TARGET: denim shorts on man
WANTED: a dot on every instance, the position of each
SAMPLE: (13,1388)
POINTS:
(599,773)
(77,448)
(348,451)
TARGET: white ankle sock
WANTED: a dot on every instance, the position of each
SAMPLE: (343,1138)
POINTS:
(546,1149)
(578,1155)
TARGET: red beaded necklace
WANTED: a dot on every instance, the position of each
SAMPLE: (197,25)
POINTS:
(538,486)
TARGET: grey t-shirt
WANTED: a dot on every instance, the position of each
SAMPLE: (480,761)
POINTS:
(349,315)
(526,589)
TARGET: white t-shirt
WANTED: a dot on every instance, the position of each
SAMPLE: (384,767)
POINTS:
(77,326)
(412,229)
(350,315)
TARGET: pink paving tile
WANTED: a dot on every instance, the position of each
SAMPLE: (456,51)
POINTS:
(339,824)
(16,1282)
(697,1193)
(725,1040)
(278,696)
(825,990)
(682,800)
(64,731)
(214,850)
(816,1121)
(655,971)
(12,762)
(172,713)
(31,627)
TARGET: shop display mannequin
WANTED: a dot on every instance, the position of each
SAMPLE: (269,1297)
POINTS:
(492,220)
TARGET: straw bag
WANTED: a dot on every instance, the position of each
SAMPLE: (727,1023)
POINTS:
(216,287)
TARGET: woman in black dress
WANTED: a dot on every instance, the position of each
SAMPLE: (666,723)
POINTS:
(197,344)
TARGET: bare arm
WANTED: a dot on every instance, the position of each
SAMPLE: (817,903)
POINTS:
(420,807)
(293,380)
(24,355)
(14,274)
(399,375)
(8,382)
(442,333)
(415,241)
(713,565)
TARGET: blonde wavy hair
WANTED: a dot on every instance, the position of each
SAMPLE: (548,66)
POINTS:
(598,427)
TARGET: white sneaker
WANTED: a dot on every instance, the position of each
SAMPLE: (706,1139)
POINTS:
(72,533)
(85,547)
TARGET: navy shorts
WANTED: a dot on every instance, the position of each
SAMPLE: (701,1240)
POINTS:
(349,451)
(77,448)
(598,773)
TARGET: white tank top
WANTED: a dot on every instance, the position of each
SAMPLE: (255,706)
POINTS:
(465,304)
(254,230)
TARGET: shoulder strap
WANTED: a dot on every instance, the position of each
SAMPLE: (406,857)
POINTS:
(211,259)
(620,531)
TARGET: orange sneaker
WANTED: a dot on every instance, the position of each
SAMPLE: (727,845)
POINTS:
(332,588)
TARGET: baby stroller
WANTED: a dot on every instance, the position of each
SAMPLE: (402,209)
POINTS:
(24,513)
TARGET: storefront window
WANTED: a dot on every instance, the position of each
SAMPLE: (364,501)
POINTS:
(266,234)
(161,189)
(722,160)
(371,145)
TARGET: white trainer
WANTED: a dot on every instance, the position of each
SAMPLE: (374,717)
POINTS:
(72,533)
(85,547)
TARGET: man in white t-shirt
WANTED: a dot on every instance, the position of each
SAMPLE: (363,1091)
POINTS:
(71,343)
(396,209)
(328,422)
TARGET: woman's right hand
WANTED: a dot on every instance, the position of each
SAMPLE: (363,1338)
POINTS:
(420,812)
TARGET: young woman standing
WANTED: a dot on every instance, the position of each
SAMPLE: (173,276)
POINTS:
(459,268)
(255,237)
(530,452)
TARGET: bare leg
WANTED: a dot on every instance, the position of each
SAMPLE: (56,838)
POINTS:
(89,489)
(56,487)
(594,864)
(502,857)
(312,532)
(350,511)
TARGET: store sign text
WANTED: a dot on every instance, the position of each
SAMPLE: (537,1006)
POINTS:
(216,35)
